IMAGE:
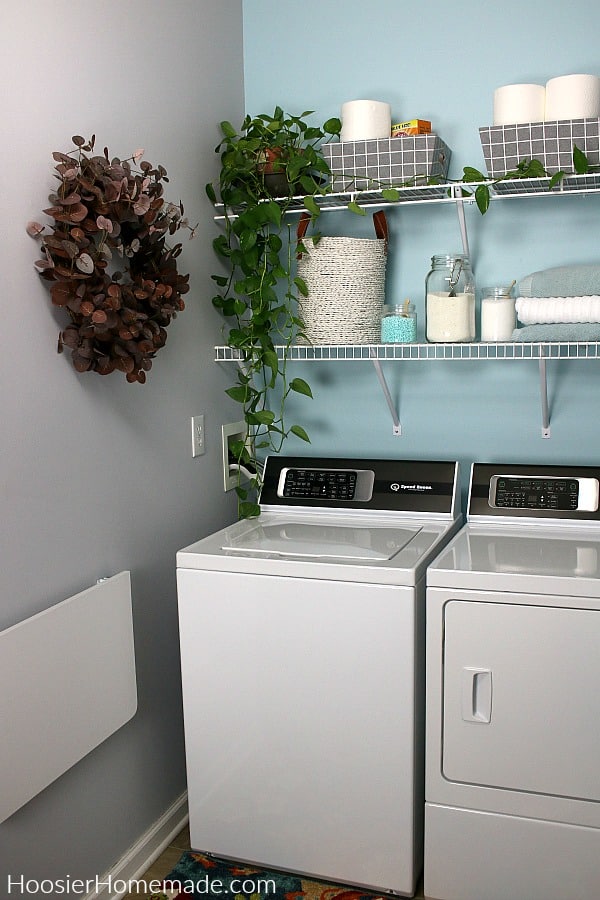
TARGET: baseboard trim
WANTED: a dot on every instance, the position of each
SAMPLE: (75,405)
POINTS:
(143,852)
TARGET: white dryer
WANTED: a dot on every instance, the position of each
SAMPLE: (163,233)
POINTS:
(302,654)
(513,691)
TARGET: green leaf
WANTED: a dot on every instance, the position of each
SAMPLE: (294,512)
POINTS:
(312,134)
(355,208)
(228,130)
(556,179)
(238,450)
(528,168)
(390,194)
(482,198)
(247,510)
(272,211)
(221,280)
(275,244)
(238,393)
(580,161)
(270,360)
(471,174)
(299,431)
(210,191)
(312,206)
(536,169)
(308,184)
(332,126)
(301,285)
(261,417)
(247,241)
(221,246)
(301,387)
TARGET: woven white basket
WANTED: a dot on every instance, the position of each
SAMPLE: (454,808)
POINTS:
(345,278)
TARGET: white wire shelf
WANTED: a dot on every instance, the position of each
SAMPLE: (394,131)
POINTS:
(441,193)
(369,352)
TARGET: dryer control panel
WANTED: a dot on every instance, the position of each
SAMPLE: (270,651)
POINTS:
(538,492)
(535,492)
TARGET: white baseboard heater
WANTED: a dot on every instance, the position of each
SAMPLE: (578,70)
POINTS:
(67,682)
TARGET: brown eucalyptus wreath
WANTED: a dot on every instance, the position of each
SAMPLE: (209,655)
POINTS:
(107,261)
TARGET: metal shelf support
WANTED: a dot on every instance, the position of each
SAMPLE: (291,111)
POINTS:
(396,426)
(460,209)
(544,396)
(376,353)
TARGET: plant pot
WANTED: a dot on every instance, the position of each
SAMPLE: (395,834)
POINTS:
(276,184)
(273,173)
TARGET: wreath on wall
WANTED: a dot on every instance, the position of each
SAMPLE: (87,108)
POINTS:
(107,261)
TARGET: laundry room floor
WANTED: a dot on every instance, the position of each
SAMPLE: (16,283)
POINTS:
(169,857)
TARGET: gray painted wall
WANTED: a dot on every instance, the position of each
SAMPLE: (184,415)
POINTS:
(96,474)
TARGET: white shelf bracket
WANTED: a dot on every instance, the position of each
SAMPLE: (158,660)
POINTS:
(397,427)
(460,209)
(544,396)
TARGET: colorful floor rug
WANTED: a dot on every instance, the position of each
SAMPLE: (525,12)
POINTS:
(196,877)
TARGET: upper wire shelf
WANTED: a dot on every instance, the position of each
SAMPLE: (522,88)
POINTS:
(442,193)
(382,352)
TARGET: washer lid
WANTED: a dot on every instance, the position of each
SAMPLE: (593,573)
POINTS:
(318,540)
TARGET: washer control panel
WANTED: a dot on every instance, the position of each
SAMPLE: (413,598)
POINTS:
(544,493)
(353,484)
(326,484)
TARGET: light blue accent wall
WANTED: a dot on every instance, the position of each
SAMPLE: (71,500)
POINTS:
(439,62)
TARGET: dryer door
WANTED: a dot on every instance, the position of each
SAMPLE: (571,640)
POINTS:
(521,698)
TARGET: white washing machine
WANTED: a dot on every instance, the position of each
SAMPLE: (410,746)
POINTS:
(302,653)
(513,691)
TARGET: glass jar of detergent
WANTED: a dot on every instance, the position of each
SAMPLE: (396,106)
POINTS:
(497,314)
(399,324)
(450,299)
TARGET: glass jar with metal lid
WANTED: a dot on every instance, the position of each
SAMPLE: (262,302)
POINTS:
(450,299)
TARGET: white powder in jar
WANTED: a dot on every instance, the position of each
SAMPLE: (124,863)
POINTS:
(497,318)
(450,319)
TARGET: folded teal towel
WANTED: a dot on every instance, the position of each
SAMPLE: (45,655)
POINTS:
(560,332)
(561,281)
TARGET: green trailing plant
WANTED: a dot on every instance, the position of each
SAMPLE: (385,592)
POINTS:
(525,168)
(265,164)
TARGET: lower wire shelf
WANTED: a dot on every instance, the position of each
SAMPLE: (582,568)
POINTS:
(378,353)
(353,352)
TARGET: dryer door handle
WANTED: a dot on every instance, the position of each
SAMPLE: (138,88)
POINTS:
(476,695)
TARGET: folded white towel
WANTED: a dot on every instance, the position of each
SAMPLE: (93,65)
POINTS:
(546,310)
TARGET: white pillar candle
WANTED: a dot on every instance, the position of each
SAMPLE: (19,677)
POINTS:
(514,103)
(573,97)
(366,120)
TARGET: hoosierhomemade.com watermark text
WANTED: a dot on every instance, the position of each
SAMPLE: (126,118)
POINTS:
(21,886)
